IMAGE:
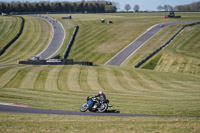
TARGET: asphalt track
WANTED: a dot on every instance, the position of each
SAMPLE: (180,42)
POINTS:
(16,109)
(57,40)
(125,53)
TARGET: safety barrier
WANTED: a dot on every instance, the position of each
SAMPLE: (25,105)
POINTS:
(70,42)
(164,45)
(15,38)
(54,62)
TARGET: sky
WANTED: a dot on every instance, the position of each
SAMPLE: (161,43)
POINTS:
(145,5)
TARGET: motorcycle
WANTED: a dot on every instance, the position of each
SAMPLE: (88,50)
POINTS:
(93,105)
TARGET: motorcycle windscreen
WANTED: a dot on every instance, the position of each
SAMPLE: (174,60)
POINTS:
(90,103)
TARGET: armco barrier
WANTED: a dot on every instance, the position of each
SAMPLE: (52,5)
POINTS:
(15,38)
(56,62)
(164,45)
(70,42)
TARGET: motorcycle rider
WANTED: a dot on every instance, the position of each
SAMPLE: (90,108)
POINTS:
(100,97)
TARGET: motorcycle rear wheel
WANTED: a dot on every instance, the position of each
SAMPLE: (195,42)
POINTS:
(103,108)
(84,107)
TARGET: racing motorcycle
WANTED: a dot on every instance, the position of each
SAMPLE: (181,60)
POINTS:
(93,105)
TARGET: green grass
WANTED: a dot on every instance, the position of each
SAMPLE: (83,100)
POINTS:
(98,42)
(33,40)
(152,63)
(14,123)
(182,55)
(129,90)
(9,27)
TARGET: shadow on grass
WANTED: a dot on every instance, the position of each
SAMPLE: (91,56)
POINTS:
(112,111)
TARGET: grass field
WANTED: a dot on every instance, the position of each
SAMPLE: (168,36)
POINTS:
(182,54)
(9,27)
(146,92)
(129,90)
(98,42)
(34,38)
(15,123)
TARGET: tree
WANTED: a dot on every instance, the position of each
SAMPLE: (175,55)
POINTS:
(127,7)
(193,7)
(110,8)
(136,8)
(160,8)
(168,7)
(116,5)
(44,6)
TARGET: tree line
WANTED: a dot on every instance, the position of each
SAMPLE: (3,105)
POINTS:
(193,7)
(136,7)
(71,7)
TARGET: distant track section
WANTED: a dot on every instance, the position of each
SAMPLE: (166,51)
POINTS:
(124,54)
(21,109)
(57,40)
(164,45)
(15,38)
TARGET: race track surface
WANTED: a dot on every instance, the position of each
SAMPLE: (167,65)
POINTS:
(16,109)
(124,54)
(57,40)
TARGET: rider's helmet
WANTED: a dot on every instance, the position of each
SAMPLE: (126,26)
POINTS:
(100,92)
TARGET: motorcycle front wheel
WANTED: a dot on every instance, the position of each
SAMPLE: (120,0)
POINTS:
(103,108)
(84,107)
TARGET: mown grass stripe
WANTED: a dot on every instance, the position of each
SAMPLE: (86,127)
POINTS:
(83,80)
(45,36)
(122,79)
(140,80)
(102,79)
(62,79)
(30,44)
(17,78)
(31,78)
(88,42)
(128,82)
(52,77)
(112,80)
(8,29)
(92,79)
(35,40)
(73,79)
(41,79)
(132,81)
(20,43)
(14,29)
(9,75)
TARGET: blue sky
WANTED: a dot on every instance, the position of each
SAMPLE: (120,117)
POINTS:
(150,5)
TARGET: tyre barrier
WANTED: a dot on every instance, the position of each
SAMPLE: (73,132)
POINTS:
(54,62)
(164,45)
(15,38)
(70,42)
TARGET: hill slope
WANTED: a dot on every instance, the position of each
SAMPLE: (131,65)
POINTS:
(130,90)
(34,38)
(9,27)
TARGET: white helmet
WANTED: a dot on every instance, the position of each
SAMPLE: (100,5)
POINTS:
(100,92)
